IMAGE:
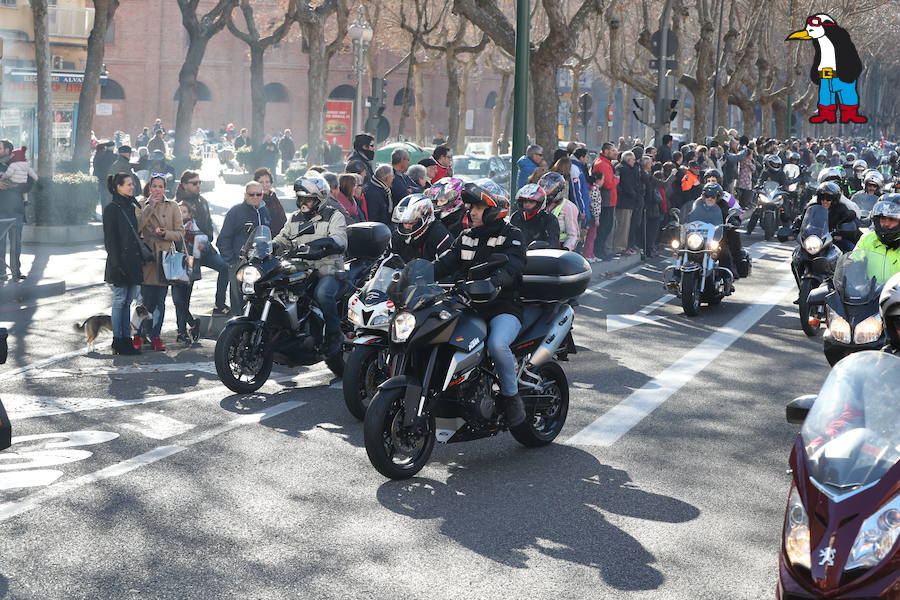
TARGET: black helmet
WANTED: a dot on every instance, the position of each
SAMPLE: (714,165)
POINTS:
(793,158)
(889,306)
(773,161)
(828,190)
(713,173)
(496,201)
(892,156)
(888,206)
(712,190)
(311,186)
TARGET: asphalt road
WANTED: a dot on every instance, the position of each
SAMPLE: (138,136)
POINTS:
(145,478)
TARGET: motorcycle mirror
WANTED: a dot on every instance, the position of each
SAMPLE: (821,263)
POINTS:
(481,291)
(798,408)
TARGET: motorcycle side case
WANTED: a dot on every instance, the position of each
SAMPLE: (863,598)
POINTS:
(554,276)
(744,264)
(5,429)
(367,239)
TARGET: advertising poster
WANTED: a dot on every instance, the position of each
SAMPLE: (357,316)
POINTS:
(339,123)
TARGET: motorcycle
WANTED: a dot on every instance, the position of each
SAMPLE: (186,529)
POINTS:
(769,207)
(813,261)
(696,276)
(442,371)
(842,520)
(792,205)
(849,306)
(5,427)
(369,311)
(281,322)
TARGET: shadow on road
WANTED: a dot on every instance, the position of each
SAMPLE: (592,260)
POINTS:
(551,501)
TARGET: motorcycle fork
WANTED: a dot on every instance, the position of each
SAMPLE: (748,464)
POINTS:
(415,395)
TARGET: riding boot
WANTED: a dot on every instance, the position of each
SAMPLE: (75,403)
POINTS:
(827,114)
(332,344)
(849,114)
(514,410)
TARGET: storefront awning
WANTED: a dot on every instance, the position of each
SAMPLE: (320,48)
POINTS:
(61,77)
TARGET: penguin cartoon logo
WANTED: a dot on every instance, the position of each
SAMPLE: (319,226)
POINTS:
(835,69)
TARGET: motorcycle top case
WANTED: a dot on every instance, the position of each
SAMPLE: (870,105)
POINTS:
(554,276)
(367,239)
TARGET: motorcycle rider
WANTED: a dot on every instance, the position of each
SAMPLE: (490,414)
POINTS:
(834,174)
(855,177)
(872,184)
(491,234)
(889,306)
(419,234)
(711,208)
(885,239)
(446,194)
(326,242)
(536,224)
(828,194)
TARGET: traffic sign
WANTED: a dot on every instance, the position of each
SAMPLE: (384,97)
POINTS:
(656,42)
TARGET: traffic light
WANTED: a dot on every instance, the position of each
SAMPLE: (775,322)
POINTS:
(584,103)
(641,114)
(377,102)
(672,104)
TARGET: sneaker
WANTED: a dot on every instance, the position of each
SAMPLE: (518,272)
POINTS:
(183,339)
(221,310)
(195,331)
(157,344)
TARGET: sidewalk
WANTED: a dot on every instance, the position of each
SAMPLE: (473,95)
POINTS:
(54,270)
(610,268)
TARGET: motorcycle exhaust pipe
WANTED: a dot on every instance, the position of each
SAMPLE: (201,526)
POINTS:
(563,320)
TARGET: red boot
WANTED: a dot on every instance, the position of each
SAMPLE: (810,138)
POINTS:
(136,341)
(157,344)
(827,114)
(849,114)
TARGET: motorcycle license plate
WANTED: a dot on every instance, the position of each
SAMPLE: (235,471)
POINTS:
(5,429)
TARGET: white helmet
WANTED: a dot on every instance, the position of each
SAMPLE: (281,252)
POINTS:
(311,186)
(413,215)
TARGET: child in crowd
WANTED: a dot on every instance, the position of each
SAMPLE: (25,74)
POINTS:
(19,170)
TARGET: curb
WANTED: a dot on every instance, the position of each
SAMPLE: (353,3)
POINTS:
(606,269)
(62,235)
(14,292)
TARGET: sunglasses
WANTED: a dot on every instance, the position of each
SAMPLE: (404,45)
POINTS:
(817,22)
(197,182)
(257,195)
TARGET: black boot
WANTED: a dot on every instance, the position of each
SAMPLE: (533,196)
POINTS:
(515,410)
(124,347)
(332,344)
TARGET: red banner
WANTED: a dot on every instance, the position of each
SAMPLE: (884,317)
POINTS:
(339,123)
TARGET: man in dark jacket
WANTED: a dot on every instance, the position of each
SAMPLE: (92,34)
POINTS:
(122,164)
(664,154)
(630,197)
(287,148)
(362,160)
(188,192)
(378,201)
(103,160)
(249,213)
(491,234)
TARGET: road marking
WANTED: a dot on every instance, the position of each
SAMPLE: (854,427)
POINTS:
(141,369)
(156,426)
(21,407)
(12,509)
(641,317)
(30,478)
(619,420)
(52,360)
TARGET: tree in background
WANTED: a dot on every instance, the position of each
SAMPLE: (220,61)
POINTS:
(45,148)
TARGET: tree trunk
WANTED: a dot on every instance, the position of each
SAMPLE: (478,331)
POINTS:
(507,125)
(453,97)
(573,104)
(497,114)
(257,96)
(104,11)
(463,104)
(546,104)
(419,96)
(45,101)
(317,84)
(407,96)
(780,110)
(187,81)
(765,127)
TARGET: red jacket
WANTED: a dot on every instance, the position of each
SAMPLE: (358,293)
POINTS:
(610,182)
(441,172)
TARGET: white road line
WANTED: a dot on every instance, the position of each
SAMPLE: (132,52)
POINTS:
(52,360)
(641,317)
(21,407)
(619,420)
(145,368)
(12,509)
(156,426)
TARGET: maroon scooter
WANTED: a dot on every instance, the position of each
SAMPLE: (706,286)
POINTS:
(841,536)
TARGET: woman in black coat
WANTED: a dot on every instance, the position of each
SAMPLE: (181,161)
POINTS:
(124,267)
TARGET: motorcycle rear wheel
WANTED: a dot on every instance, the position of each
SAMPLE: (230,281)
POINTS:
(690,295)
(545,417)
(240,372)
(393,450)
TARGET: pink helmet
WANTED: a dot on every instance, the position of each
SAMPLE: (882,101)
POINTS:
(446,194)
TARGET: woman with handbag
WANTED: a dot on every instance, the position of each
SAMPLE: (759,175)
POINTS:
(160,225)
(195,244)
(125,253)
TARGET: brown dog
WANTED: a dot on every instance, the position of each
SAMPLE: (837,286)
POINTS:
(94,325)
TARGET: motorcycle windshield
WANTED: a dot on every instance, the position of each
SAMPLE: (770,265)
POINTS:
(815,222)
(866,203)
(259,243)
(860,275)
(770,187)
(375,290)
(852,432)
(417,285)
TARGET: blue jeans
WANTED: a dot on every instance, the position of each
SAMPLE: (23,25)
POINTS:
(181,298)
(155,302)
(326,297)
(14,235)
(123,296)
(502,332)
(835,91)
(214,260)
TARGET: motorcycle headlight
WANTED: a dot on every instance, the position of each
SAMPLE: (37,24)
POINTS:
(796,531)
(403,326)
(840,328)
(379,320)
(876,537)
(714,245)
(248,274)
(354,317)
(813,244)
(763,199)
(695,241)
(676,244)
(868,331)
(792,187)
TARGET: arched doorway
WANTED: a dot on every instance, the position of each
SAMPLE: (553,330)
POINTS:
(343,92)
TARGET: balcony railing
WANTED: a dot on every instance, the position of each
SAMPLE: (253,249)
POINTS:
(71,21)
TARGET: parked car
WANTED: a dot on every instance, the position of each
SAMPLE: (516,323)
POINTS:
(470,168)
(416,153)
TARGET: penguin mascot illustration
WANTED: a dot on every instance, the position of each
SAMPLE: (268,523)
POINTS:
(835,69)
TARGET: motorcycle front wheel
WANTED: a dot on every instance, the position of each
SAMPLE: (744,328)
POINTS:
(768,223)
(242,367)
(362,376)
(545,413)
(690,294)
(397,452)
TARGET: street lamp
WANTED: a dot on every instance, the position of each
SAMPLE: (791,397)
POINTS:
(361,34)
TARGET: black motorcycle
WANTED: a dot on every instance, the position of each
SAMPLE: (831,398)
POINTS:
(769,208)
(282,322)
(813,261)
(442,372)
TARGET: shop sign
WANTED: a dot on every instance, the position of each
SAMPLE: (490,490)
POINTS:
(104,109)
